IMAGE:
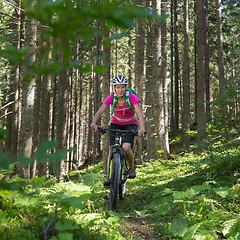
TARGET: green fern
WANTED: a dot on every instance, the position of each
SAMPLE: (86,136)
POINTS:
(232,228)
(201,231)
(179,227)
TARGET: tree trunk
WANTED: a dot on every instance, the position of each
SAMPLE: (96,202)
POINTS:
(61,120)
(163,118)
(139,68)
(207,71)
(90,134)
(176,57)
(97,94)
(186,118)
(151,149)
(13,93)
(220,46)
(201,110)
(28,94)
(157,91)
(172,64)
(106,115)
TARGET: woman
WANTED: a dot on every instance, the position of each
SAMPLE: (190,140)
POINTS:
(124,118)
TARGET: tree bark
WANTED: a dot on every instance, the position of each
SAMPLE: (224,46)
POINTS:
(157,91)
(61,120)
(28,94)
(220,46)
(164,114)
(207,71)
(106,115)
(186,118)
(151,85)
(13,93)
(139,68)
(172,66)
(176,71)
(201,109)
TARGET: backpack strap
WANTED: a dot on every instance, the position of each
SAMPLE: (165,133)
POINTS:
(115,101)
(129,106)
(127,100)
(126,120)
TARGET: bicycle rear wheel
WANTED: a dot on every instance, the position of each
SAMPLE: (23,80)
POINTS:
(115,181)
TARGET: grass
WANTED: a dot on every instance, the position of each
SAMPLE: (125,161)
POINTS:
(192,196)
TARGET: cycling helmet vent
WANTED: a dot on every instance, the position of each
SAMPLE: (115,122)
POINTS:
(119,80)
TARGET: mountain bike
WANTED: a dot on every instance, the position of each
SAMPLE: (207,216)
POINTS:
(118,169)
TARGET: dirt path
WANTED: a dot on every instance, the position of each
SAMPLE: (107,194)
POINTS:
(138,228)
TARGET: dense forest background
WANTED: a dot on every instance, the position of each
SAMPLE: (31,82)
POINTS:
(58,59)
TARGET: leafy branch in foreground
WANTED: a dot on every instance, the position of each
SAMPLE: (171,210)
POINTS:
(42,209)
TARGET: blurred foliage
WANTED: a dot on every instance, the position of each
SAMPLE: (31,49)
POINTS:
(65,23)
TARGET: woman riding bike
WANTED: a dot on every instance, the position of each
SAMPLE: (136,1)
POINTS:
(124,118)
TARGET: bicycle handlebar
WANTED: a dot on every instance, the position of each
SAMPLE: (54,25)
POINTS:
(104,130)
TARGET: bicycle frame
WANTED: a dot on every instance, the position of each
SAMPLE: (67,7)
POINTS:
(117,166)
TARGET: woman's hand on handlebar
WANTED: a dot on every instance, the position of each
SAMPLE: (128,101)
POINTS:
(141,132)
(94,127)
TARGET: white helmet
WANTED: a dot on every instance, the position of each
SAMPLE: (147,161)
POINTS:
(119,80)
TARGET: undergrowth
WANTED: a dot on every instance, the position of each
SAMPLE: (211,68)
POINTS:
(192,196)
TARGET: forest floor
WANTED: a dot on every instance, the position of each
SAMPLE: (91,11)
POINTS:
(183,196)
(191,196)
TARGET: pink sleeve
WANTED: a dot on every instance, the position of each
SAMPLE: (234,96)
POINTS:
(108,100)
(134,99)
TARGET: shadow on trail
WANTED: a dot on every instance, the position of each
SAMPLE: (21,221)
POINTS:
(176,176)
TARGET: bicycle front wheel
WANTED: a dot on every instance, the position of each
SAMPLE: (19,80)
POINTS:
(115,180)
(123,183)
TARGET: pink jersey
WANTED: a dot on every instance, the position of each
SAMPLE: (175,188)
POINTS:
(123,112)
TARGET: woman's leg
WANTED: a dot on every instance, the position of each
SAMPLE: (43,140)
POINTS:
(128,154)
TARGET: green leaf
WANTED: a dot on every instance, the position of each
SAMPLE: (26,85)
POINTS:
(140,213)
(5,160)
(38,180)
(24,161)
(74,201)
(86,69)
(232,228)
(163,208)
(85,219)
(74,187)
(179,227)
(2,215)
(44,151)
(14,55)
(67,225)
(26,201)
(48,68)
(199,188)
(112,220)
(65,236)
(199,231)
(100,69)
(221,191)
(180,196)
(3,133)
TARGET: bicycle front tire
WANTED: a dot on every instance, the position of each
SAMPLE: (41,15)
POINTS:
(123,183)
(115,181)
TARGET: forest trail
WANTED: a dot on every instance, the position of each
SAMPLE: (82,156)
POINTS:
(138,228)
(136,221)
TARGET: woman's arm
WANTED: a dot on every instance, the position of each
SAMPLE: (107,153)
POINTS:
(139,112)
(97,116)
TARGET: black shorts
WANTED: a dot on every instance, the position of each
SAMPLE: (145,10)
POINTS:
(127,138)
